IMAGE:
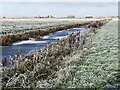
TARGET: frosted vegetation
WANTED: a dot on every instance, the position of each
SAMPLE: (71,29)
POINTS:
(99,68)
(16,26)
(86,59)
(96,66)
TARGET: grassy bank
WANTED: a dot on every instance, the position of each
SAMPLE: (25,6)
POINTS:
(53,65)
(99,68)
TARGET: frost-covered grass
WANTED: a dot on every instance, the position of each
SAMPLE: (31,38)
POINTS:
(100,62)
(20,25)
(0,78)
(87,62)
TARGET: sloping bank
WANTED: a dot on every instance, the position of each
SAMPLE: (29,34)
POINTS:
(49,66)
(7,40)
(100,66)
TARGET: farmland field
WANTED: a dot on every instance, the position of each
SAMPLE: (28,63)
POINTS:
(21,25)
(69,61)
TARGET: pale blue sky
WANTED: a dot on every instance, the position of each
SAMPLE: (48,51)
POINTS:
(58,9)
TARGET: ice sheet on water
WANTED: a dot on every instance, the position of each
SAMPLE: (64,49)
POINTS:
(79,28)
(59,37)
(45,37)
(29,42)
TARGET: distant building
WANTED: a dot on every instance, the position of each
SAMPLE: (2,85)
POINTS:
(49,16)
(71,16)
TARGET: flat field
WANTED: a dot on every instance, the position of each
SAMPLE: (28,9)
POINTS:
(8,26)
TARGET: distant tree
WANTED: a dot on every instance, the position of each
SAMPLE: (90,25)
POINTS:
(42,17)
(51,16)
(47,16)
(89,17)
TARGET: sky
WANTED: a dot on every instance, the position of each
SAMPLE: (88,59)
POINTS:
(58,9)
(59,0)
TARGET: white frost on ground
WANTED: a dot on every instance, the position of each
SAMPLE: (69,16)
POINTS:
(98,65)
